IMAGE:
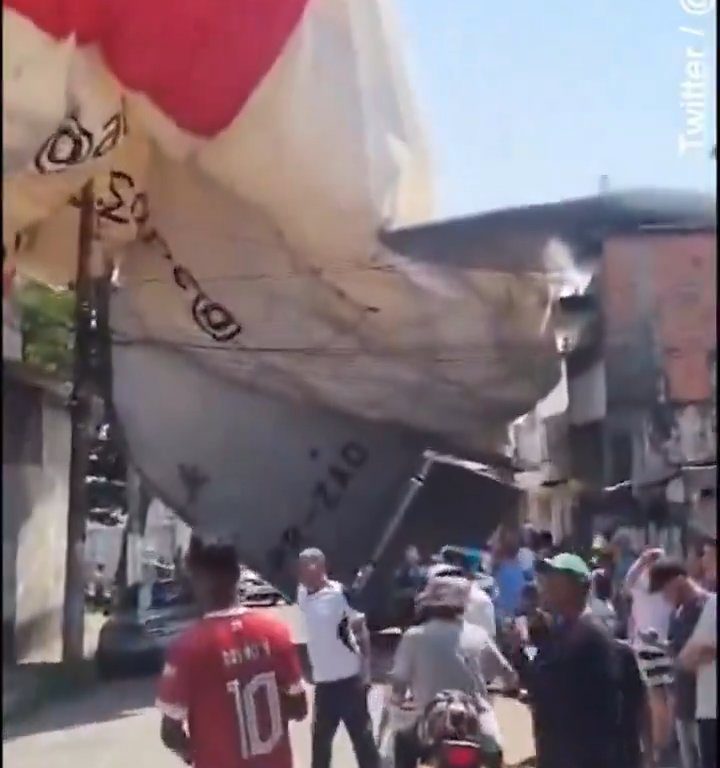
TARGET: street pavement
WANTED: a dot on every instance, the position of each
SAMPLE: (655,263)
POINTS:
(115,725)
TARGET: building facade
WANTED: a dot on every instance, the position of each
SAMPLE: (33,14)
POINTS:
(36,462)
(641,395)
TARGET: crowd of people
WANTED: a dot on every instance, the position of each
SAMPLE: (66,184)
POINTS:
(658,614)
(672,628)
(501,575)
(615,655)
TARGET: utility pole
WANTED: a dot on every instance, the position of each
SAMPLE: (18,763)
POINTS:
(138,502)
(91,318)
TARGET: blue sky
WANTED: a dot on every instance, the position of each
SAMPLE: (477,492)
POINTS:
(533,101)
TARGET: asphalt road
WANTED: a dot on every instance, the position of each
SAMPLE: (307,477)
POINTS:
(116,726)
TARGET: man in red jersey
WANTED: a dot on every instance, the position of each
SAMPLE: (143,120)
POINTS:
(232,681)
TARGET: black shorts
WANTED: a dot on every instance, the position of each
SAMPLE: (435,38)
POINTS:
(707,731)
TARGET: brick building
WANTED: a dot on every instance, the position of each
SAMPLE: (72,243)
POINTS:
(640,389)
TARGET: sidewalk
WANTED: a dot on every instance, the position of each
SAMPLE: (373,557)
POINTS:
(28,686)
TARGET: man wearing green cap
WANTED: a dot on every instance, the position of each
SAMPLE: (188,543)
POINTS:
(574,679)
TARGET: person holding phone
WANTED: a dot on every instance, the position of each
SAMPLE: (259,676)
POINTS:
(649,628)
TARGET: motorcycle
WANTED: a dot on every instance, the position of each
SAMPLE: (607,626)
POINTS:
(394,718)
(458,754)
(444,751)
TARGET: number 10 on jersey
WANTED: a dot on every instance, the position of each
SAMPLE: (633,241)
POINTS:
(245,697)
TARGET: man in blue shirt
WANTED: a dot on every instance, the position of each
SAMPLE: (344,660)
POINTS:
(510,577)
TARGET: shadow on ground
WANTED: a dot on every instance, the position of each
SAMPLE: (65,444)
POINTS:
(92,705)
(67,699)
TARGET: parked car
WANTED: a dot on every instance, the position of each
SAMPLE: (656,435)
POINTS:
(129,645)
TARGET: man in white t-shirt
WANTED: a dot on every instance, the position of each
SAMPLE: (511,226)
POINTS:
(650,611)
(338,648)
(700,656)
(480,610)
(648,633)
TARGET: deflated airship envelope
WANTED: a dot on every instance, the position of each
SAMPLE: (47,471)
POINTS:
(278,370)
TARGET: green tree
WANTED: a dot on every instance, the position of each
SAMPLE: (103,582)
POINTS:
(48,332)
(46,321)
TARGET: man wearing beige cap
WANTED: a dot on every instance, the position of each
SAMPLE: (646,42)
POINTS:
(446,653)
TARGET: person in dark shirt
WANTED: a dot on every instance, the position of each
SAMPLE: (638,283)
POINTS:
(709,565)
(635,742)
(546,544)
(410,578)
(573,680)
(672,579)
(411,574)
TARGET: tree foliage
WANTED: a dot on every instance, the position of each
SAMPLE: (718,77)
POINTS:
(46,321)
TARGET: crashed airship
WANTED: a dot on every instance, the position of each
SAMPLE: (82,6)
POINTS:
(286,342)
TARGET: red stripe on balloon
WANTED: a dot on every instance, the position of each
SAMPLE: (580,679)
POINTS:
(199,61)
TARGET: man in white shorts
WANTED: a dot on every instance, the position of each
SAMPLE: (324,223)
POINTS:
(648,631)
